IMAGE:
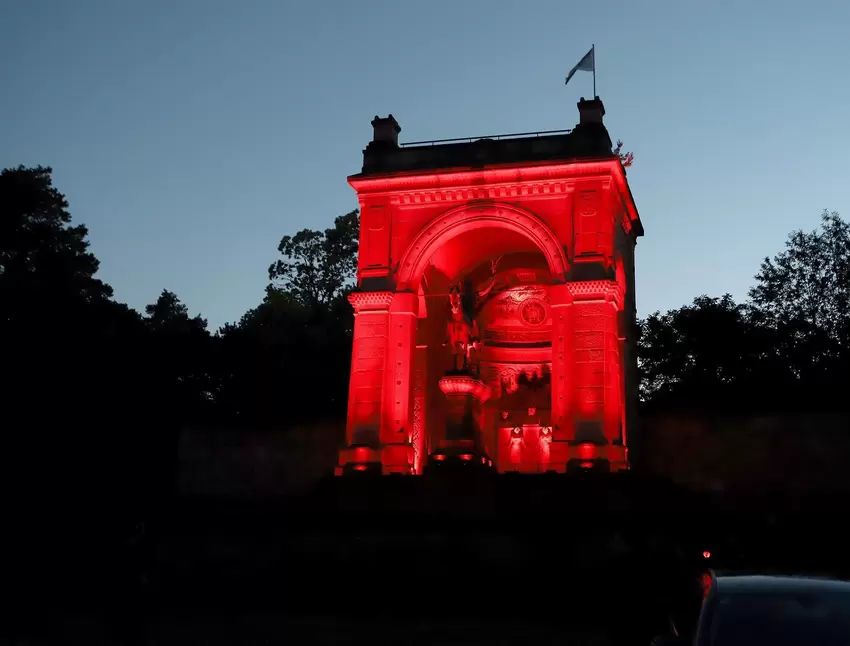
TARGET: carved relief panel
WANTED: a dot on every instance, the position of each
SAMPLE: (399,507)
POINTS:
(517,316)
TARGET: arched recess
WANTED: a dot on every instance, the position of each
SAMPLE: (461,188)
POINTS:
(473,217)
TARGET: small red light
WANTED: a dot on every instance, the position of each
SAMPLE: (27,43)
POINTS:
(439,457)
(586,465)
(706,554)
(466,457)
(483,460)
(360,467)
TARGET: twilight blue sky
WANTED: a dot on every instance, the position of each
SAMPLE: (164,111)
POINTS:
(190,135)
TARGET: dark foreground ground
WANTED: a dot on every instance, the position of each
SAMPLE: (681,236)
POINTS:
(450,561)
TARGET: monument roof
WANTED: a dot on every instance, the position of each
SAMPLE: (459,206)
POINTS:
(589,140)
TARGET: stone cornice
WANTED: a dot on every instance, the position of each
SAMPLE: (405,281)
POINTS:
(555,176)
(466,194)
(630,220)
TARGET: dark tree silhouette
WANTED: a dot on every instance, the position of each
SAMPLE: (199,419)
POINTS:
(696,349)
(168,313)
(44,261)
(82,401)
(183,353)
(809,282)
(787,348)
(318,266)
(804,292)
(286,361)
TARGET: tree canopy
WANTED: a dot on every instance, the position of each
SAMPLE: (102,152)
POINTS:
(44,260)
(785,348)
(318,266)
(95,391)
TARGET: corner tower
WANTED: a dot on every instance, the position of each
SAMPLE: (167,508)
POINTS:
(508,260)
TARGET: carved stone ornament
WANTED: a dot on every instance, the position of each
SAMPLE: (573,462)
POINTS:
(608,290)
(458,385)
(362,301)
(533,313)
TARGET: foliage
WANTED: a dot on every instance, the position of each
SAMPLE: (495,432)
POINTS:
(627,159)
(182,349)
(678,358)
(284,363)
(287,360)
(169,314)
(43,259)
(318,266)
(808,284)
(787,348)
(74,361)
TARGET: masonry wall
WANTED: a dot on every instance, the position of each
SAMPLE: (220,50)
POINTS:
(781,453)
(237,464)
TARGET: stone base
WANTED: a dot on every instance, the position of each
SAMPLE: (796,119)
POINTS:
(398,458)
(393,458)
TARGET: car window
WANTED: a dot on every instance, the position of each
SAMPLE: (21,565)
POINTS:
(781,619)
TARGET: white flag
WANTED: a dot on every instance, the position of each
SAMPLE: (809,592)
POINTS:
(586,64)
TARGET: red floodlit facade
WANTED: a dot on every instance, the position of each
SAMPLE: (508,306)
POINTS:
(495,301)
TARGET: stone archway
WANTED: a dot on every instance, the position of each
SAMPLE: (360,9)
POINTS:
(446,249)
(479,216)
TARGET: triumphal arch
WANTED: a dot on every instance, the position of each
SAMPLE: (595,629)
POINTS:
(495,284)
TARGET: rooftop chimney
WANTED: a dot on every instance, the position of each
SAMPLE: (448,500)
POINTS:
(590,137)
(385,131)
(590,111)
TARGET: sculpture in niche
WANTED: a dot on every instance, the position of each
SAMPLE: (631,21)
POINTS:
(509,380)
(516,445)
(544,444)
(462,333)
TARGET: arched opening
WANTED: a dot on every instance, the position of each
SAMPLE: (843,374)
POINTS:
(497,221)
(502,262)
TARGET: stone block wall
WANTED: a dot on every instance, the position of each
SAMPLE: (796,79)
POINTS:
(779,452)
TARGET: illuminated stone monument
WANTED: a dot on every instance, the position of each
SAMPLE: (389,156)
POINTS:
(499,271)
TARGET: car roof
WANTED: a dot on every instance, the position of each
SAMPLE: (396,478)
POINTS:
(749,584)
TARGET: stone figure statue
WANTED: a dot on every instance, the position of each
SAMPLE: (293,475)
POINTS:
(516,445)
(462,333)
(544,444)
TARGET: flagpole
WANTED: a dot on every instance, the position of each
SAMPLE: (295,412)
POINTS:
(593,47)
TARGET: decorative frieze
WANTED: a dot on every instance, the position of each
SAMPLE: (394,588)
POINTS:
(465,194)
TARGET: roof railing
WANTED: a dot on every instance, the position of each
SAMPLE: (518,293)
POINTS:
(471,139)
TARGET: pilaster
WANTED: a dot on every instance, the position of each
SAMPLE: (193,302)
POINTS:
(371,330)
(397,409)
(597,388)
(561,300)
